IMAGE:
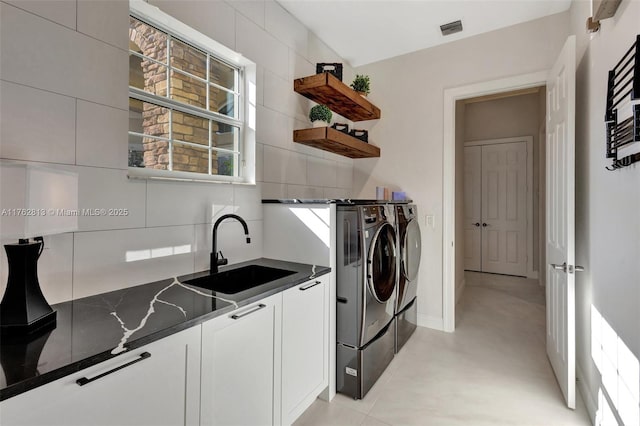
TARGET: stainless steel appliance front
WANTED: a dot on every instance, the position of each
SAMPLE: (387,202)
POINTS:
(366,279)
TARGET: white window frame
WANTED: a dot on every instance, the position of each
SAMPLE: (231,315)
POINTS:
(246,100)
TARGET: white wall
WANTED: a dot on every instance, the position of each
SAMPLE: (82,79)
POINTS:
(64,84)
(409,90)
(607,223)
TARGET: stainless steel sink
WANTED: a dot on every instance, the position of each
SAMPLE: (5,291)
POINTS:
(236,280)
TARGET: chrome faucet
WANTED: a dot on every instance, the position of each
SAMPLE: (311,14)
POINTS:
(218,261)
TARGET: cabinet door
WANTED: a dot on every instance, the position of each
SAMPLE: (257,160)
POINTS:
(239,372)
(304,346)
(161,388)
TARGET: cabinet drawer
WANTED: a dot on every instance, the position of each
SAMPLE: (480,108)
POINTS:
(157,384)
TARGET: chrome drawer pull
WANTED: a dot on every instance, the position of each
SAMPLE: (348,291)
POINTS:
(250,311)
(83,380)
(308,286)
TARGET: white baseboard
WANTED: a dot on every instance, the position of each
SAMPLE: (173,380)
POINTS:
(589,401)
(435,323)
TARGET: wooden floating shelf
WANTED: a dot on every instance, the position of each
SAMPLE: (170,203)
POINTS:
(332,140)
(326,89)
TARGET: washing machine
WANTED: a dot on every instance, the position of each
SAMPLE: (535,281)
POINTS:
(366,281)
(409,252)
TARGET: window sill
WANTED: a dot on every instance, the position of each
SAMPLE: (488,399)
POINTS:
(153,174)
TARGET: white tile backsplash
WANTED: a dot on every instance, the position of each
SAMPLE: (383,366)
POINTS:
(36,125)
(273,128)
(279,97)
(252,9)
(259,162)
(60,11)
(64,101)
(111,191)
(321,172)
(273,191)
(299,66)
(48,56)
(247,201)
(284,166)
(105,20)
(261,47)
(182,203)
(344,175)
(111,260)
(305,192)
(101,134)
(55,268)
(215,19)
(285,27)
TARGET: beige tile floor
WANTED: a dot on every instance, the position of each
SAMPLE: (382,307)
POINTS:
(492,371)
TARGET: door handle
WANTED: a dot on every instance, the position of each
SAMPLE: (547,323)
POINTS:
(476,224)
(250,311)
(84,380)
(308,286)
(484,225)
(564,267)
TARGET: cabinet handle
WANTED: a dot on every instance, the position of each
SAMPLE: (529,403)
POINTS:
(83,380)
(308,286)
(250,311)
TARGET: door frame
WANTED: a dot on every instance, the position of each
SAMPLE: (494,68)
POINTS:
(452,95)
(529,194)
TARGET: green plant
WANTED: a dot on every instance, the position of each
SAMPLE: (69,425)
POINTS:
(361,84)
(320,113)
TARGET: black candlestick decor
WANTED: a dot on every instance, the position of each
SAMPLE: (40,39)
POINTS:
(23,309)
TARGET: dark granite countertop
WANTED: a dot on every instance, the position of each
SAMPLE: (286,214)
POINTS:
(93,329)
(338,201)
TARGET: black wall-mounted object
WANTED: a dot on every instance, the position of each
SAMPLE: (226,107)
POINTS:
(333,68)
(623,85)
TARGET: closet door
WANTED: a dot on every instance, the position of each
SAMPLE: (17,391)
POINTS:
(504,208)
(472,208)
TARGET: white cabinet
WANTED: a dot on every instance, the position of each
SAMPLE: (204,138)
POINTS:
(161,388)
(240,366)
(304,346)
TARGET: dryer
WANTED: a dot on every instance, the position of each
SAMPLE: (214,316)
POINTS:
(409,253)
(366,281)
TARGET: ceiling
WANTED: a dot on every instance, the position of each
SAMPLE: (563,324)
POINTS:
(365,31)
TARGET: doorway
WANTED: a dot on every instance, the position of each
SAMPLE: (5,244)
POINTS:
(452,184)
(497,202)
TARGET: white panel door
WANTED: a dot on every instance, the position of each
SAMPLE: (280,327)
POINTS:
(504,208)
(472,208)
(561,220)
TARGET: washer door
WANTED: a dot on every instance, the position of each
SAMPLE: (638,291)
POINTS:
(382,264)
(411,250)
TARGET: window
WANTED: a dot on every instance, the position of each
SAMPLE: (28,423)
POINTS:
(188,106)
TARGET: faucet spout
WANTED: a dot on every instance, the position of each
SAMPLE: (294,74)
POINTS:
(215,260)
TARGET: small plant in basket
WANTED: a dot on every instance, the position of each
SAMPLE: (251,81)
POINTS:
(320,116)
(361,84)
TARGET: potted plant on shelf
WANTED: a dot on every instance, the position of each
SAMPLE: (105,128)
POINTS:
(361,84)
(320,116)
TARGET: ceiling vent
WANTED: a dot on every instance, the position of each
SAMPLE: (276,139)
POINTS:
(451,28)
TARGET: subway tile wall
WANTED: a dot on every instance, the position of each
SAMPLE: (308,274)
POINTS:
(63,96)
